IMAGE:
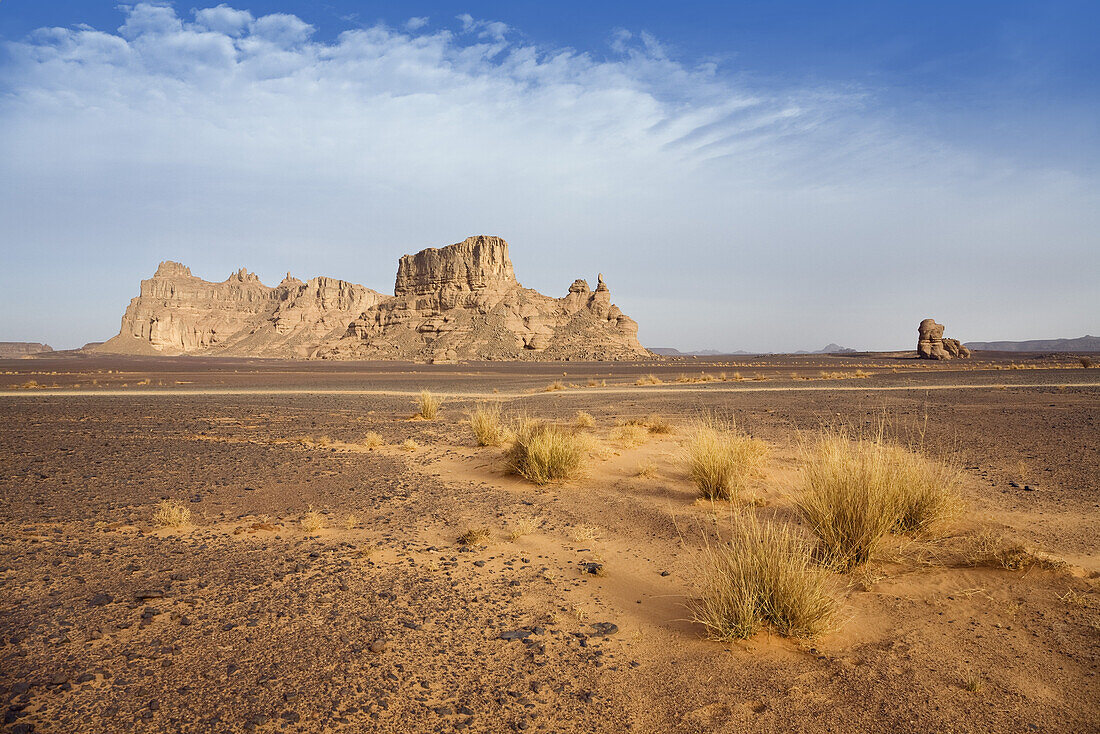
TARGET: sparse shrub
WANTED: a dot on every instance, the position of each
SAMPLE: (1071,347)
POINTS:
(764,575)
(554,386)
(520,527)
(475,536)
(545,452)
(858,491)
(629,435)
(312,521)
(486,424)
(657,424)
(171,514)
(993,548)
(973,681)
(720,458)
(351,521)
(649,380)
(372,440)
(409,445)
(584,534)
(584,420)
(428,405)
(1086,362)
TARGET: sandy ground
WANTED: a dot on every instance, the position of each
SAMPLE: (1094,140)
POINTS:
(381,621)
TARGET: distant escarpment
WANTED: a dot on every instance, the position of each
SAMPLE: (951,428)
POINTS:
(10,350)
(457,302)
(1078,344)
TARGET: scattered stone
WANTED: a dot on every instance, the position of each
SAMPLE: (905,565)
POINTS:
(147,594)
(379,646)
(515,634)
(604,629)
(100,600)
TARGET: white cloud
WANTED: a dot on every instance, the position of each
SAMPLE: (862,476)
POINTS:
(224,19)
(770,210)
(415,24)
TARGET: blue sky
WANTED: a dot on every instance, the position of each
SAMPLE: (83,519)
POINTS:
(795,172)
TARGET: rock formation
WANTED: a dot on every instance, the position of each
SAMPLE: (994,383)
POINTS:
(931,343)
(457,302)
(178,313)
(15,350)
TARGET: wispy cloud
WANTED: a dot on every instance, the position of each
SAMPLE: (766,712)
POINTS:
(225,138)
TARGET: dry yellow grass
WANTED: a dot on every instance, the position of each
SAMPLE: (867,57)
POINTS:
(629,435)
(720,458)
(646,470)
(584,534)
(409,445)
(994,548)
(171,514)
(312,521)
(486,423)
(584,420)
(649,380)
(351,520)
(372,440)
(427,406)
(554,386)
(546,452)
(521,526)
(859,490)
(475,536)
(763,576)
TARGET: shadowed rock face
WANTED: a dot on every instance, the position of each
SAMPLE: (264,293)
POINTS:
(931,343)
(457,302)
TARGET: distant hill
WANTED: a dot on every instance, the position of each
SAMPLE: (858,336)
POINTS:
(1080,344)
(831,348)
(671,352)
(10,350)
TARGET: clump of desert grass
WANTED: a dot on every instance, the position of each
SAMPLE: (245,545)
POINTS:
(520,527)
(312,521)
(351,521)
(372,440)
(475,537)
(721,458)
(409,445)
(546,452)
(857,491)
(584,420)
(1086,362)
(649,380)
(427,406)
(629,435)
(653,422)
(554,386)
(994,549)
(486,423)
(763,577)
(171,514)
(646,470)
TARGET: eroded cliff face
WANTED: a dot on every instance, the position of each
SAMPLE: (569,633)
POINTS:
(178,313)
(931,343)
(457,302)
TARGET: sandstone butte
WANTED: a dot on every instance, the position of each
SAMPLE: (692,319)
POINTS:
(457,302)
(932,344)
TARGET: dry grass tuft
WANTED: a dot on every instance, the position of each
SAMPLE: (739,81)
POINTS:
(648,470)
(546,452)
(993,548)
(372,440)
(974,681)
(475,536)
(312,521)
(764,576)
(629,435)
(486,424)
(427,406)
(171,514)
(520,527)
(409,445)
(584,534)
(720,458)
(649,380)
(584,420)
(858,491)
(554,386)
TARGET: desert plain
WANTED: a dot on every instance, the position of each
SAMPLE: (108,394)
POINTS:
(318,582)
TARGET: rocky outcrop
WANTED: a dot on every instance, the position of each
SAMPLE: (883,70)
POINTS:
(463,302)
(931,343)
(178,313)
(17,350)
(457,302)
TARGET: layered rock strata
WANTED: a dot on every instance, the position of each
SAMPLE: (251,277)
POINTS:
(457,302)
